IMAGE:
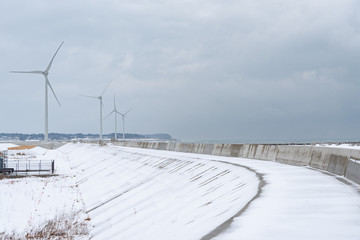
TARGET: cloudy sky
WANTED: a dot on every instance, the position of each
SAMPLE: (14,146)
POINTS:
(198,70)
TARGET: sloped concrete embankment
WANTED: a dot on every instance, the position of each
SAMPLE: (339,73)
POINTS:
(339,161)
(131,195)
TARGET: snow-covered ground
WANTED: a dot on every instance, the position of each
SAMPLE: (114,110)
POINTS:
(39,206)
(295,203)
(5,146)
(130,193)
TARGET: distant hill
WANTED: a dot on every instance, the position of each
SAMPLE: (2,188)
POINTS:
(66,136)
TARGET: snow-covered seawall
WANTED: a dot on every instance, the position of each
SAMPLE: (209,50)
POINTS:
(134,195)
(113,192)
(340,161)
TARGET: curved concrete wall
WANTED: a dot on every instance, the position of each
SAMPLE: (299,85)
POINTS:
(343,162)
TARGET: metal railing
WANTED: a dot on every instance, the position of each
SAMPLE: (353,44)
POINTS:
(25,166)
(31,167)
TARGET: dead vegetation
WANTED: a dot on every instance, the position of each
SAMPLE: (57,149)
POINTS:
(61,227)
(3,176)
(11,176)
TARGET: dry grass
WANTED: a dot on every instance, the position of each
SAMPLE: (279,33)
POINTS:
(61,227)
(11,176)
(22,147)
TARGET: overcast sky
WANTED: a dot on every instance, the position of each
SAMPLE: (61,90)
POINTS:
(223,70)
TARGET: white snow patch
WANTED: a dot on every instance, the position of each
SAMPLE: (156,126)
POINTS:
(343,146)
(5,146)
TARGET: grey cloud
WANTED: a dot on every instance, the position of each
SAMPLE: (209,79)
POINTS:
(194,69)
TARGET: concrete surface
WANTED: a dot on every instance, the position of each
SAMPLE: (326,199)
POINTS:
(333,160)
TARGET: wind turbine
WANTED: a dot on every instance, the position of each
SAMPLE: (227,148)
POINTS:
(101,106)
(115,111)
(123,120)
(45,73)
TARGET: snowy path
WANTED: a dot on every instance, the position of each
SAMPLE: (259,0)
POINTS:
(295,203)
(298,203)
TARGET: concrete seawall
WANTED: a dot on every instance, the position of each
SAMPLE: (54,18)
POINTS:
(339,161)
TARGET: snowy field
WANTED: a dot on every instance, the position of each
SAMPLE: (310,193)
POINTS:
(36,207)
(127,193)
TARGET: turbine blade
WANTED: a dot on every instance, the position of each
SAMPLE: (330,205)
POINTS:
(128,111)
(114,103)
(49,66)
(109,114)
(106,88)
(36,72)
(116,111)
(48,82)
(88,96)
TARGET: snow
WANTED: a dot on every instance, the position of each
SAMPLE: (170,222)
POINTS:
(34,201)
(131,193)
(5,146)
(300,204)
(28,204)
(295,203)
(343,145)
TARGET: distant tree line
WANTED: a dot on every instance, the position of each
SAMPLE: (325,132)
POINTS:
(67,136)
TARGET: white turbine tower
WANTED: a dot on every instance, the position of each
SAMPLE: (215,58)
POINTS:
(115,111)
(45,73)
(123,120)
(123,116)
(101,106)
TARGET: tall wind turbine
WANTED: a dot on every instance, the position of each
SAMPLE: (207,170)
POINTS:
(101,106)
(115,111)
(45,73)
(123,120)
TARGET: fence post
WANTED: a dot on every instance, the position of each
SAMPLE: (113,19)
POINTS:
(52,167)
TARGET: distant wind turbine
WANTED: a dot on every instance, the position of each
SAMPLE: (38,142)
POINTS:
(123,120)
(115,111)
(45,73)
(101,106)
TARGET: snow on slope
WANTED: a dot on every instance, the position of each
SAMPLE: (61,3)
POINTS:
(131,195)
(5,146)
(296,203)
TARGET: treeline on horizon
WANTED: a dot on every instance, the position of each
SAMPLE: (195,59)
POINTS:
(67,136)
